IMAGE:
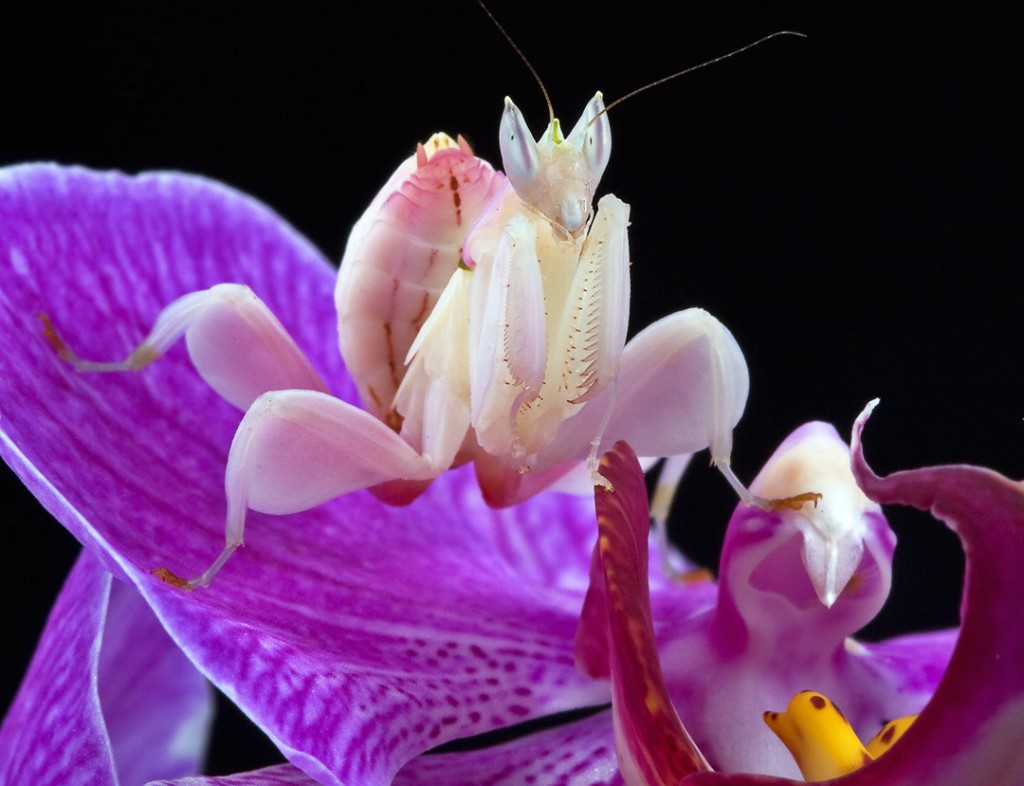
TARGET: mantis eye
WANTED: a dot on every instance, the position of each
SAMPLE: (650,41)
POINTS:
(557,176)
(593,135)
(519,154)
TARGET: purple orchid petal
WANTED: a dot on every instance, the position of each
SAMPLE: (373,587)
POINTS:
(279,775)
(913,664)
(973,729)
(356,659)
(101,255)
(357,635)
(108,697)
(579,753)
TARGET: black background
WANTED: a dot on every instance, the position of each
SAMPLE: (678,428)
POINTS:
(847,204)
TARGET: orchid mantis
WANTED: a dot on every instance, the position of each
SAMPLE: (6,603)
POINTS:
(483,317)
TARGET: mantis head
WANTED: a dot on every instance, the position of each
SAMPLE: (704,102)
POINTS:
(556,175)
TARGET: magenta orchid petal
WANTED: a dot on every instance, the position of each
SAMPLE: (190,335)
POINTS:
(101,254)
(973,729)
(652,746)
(279,775)
(356,659)
(108,697)
(357,635)
(579,753)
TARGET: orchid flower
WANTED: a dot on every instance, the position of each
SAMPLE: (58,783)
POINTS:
(357,636)
(794,584)
(970,731)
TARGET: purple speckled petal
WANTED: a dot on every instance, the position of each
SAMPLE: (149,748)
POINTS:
(279,775)
(382,633)
(101,254)
(972,731)
(85,711)
(357,635)
(577,754)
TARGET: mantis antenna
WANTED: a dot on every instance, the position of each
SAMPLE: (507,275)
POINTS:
(693,68)
(644,88)
(518,51)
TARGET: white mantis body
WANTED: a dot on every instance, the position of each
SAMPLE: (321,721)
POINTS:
(483,317)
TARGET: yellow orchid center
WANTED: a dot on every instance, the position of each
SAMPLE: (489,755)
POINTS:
(888,735)
(821,740)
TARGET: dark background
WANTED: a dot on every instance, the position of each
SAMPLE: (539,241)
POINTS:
(847,204)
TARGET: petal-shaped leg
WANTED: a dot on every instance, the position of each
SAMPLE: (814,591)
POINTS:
(508,348)
(237,345)
(297,448)
(682,387)
(596,318)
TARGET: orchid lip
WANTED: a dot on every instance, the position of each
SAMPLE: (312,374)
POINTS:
(834,528)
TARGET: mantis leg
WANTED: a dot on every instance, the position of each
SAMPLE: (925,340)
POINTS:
(295,449)
(508,350)
(669,477)
(681,388)
(236,343)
